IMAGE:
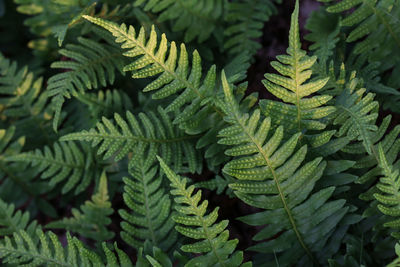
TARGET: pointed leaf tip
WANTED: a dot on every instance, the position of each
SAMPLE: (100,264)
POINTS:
(294,36)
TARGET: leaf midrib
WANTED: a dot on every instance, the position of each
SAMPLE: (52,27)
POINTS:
(280,192)
(165,68)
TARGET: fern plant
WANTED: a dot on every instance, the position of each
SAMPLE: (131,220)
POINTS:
(195,159)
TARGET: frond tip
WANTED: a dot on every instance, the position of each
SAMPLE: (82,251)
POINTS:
(303,108)
(196,225)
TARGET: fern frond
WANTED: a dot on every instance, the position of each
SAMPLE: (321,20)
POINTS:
(174,74)
(21,250)
(367,16)
(66,162)
(198,18)
(150,212)
(154,132)
(195,224)
(374,29)
(303,108)
(272,176)
(93,219)
(356,114)
(246,20)
(92,65)
(388,197)
(12,221)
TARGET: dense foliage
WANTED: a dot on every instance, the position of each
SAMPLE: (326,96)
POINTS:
(129,134)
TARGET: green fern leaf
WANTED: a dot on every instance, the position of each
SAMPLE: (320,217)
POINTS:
(274,177)
(151,208)
(92,65)
(67,162)
(154,132)
(21,250)
(92,221)
(367,15)
(303,109)
(194,223)
(246,20)
(198,18)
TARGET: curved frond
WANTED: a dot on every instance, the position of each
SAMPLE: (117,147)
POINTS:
(194,223)
(66,162)
(150,209)
(304,108)
(153,132)
(272,174)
